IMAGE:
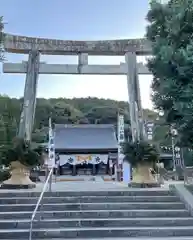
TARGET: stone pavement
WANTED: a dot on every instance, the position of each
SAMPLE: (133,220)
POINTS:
(82,186)
(76,186)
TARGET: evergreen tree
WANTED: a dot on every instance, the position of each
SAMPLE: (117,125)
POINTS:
(170,30)
(8,126)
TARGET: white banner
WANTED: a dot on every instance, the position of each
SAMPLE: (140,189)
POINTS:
(121,131)
(83,159)
(121,137)
(51,146)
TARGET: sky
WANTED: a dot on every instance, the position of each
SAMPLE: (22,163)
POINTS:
(75,20)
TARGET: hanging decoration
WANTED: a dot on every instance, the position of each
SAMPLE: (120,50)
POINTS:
(83,159)
(178,159)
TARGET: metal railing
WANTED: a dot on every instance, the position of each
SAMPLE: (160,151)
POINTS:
(48,180)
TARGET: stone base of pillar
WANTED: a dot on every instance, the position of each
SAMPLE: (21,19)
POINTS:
(15,186)
(143,185)
(20,177)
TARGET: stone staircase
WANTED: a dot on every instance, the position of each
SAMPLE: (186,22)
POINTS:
(134,214)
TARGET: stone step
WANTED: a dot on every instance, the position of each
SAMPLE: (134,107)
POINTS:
(91,199)
(129,192)
(122,238)
(97,214)
(138,238)
(93,206)
(103,222)
(98,232)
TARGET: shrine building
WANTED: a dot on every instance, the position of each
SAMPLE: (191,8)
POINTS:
(86,149)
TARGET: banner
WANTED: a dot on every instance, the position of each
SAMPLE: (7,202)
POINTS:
(83,159)
(149,130)
(121,137)
(51,147)
(121,129)
(178,157)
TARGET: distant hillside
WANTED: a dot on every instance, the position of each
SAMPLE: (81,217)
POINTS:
(76,110)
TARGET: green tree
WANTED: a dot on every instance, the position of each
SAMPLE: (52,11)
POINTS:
(170,32)
(188,156)
(66,111)
(8,125)
(162,136)
(105,115)
(40,135)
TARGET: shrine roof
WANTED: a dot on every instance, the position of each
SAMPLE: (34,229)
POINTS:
(85,136)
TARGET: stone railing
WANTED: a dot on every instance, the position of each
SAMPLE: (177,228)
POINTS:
(180,173)
(188,175)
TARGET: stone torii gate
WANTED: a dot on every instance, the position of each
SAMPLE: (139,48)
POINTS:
(130,48)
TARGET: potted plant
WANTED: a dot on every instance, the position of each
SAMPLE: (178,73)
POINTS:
(142,157)
(20,158)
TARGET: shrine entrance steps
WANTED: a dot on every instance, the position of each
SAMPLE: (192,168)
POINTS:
(132,214)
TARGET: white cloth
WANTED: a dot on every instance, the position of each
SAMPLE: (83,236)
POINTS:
(83,158)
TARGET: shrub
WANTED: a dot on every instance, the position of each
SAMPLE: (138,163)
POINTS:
(140,153)
(4,175)
(21,151)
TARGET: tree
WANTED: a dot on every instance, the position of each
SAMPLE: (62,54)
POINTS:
(105,115)
(70,111)
(170,32)
(8,125)
(162,133)
(142,156)
(65,113)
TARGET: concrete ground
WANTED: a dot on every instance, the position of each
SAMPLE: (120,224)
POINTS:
(87,186)
(76,186)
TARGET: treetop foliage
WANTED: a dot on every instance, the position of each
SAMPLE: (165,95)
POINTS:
(68,111)
(170,30)
(140,152)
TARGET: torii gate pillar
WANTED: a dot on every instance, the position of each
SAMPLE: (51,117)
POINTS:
(30,92)
(135,107)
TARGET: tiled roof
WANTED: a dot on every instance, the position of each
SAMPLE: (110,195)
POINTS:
(85,136)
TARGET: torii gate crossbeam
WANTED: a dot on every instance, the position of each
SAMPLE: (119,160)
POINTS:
(130,48)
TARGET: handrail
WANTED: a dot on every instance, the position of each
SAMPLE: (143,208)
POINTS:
(48,180)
